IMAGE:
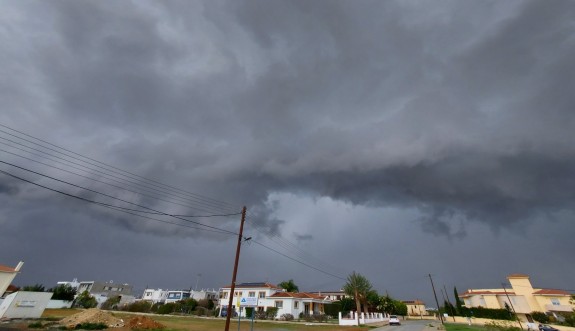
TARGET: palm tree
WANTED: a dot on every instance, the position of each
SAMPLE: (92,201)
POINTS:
(357,286)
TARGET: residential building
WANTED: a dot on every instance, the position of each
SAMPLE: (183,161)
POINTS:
(296,303)
(269,295)
(522,297)
(331,295)
(415,307)
(212,294)
(167,296)
(177,295)
(102,291)
(7,275)
(155,296)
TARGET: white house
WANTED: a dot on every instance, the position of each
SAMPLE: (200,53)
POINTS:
(269,295)
(7,275)
(296,303)
(155,296)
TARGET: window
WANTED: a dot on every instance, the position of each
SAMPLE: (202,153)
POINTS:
(252,294)
(262,295)
(555,302)
(279,304)
(296,305)
(225,295)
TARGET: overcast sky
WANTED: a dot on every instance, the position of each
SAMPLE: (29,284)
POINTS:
(396,139)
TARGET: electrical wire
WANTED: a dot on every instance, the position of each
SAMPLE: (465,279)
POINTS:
(112,185)
(100,193)
(204,198)
(297,261)
(143,182)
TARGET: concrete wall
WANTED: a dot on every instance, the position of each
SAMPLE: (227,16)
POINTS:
(56,304)
(25,304)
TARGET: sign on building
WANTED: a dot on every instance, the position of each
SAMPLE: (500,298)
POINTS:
(249,302)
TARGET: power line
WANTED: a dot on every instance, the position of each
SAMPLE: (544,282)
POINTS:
(104,174)
(197,197)
(100,193)
(289,246)
(112,185)
(298,261)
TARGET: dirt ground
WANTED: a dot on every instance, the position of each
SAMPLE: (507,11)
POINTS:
(183,323)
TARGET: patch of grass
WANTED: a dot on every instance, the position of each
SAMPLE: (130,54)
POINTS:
(35,325)
(463,327)
(91,326)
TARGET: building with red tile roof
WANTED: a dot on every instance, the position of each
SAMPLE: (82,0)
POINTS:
(7,275)
(521,297)
(268,295)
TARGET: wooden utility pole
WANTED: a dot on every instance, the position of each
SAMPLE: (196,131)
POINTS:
(233,287)
(436,302)
(448,301)
(507,295)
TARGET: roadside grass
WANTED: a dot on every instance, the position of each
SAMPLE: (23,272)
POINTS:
(191,323)
(463,327)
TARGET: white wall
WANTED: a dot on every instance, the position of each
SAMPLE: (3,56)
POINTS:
(25,304)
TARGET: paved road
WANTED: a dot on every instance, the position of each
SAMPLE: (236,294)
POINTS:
(411,325)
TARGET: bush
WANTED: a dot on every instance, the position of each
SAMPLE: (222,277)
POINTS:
(63,292)
(501,326)
(91,326)
(206,303)
(249,312)
(287,317)
(138,307)
(167,308)
(35,325)
(479,312)
(85,300)
(540,317)
(271,313)
(111,303)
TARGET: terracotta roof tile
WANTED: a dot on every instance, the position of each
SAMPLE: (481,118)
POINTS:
(479,292)
(4,268)
(300,295)
(518,276)
(254,285)
(549,291)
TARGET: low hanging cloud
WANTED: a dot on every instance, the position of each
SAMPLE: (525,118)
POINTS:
(462,112)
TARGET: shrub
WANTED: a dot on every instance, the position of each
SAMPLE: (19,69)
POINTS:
(287,317)
(138,307)
(91,326)
(111,303)
(85,300)
(206,303)
(271,313)
(167,308)
(540,317)
(63,292)
(479,312)
(501,326)
(35,325)
(249,312)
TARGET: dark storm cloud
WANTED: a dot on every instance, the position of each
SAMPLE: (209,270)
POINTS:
(459,111)
(351,101)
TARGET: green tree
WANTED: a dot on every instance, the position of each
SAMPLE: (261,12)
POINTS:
(85,300)
(400,308)
(33,288)
(111,303)
(458,302)
(289,286)
(358,286)
(63,292)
